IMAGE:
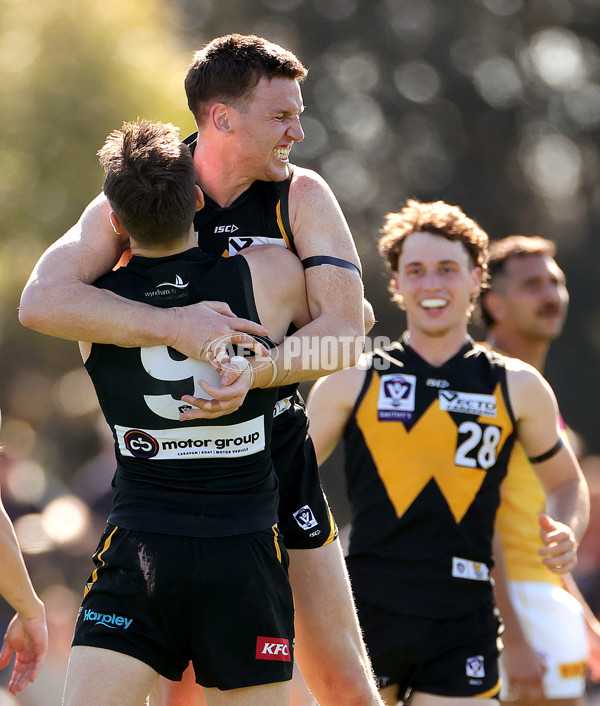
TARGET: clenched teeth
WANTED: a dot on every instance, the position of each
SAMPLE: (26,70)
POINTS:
(282,152)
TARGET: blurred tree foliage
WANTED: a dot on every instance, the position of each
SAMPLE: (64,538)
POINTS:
(69,74)
(490,104)
(493,105)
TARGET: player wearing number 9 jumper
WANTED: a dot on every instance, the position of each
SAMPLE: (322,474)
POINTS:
(428,426)
(190,567)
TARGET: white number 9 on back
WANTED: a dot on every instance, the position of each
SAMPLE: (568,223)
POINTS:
(161,366)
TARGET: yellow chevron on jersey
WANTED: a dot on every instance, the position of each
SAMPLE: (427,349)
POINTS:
(423,453)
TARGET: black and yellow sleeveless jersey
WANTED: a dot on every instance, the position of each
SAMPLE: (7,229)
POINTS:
(259,216)
(202,477)
(426,449)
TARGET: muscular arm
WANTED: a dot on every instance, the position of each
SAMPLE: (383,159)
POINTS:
(27,634)
(335,295)
(329,406)
(59,300)
(567,496)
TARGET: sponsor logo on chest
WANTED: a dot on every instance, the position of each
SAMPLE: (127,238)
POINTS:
(467,403)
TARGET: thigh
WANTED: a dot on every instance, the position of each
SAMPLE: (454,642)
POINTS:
(327,629)
(305,518)
(553,624)
(266,695)
(99,677)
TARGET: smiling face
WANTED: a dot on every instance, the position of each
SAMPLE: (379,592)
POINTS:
(264,128)
(437,283)
(532,297)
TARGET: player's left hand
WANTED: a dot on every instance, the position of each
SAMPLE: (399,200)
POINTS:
(559,552)
(226,398)
(28,639)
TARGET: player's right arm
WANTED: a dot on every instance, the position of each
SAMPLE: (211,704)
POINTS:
(329,407)
(59,300)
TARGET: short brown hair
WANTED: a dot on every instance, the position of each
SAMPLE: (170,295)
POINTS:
(228,69)
(436,217)
(501,251)
(149,180)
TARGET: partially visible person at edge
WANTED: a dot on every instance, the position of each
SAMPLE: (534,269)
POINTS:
(545,655)
(429,425)
(245,95)
(27,634)
(190,567)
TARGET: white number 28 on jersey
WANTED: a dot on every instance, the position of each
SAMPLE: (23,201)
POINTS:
(480,447)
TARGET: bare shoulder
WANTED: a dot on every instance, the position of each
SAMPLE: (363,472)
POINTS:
(527,387)
(306,183)
(520,373)
(316,218)
(344,384)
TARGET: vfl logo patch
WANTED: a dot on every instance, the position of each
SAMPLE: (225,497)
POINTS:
(109,620)
(273,648)
(467,403)
(474,667)
(305,518)
(396,401)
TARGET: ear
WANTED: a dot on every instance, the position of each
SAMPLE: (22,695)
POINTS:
(199,198)
(221,118)
(495,305)
(116,223)
(394,288)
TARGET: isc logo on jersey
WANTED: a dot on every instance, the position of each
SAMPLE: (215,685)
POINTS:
(396,401)
(467,403)
(273,648)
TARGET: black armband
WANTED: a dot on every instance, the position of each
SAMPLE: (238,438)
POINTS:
(328,260)
(544,457)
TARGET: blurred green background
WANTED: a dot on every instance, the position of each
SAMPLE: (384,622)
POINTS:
(493,105)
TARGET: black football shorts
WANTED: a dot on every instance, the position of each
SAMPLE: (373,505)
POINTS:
(455,657)
(304,516)
(223,603)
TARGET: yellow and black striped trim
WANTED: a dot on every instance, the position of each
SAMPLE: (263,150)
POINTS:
(276,542)
(99,558)
(490,693)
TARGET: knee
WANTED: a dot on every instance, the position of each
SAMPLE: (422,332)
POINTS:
(351,689)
